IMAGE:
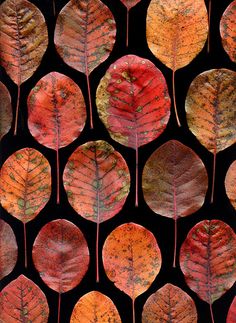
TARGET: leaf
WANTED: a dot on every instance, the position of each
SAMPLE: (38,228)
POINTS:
(169,304)
(61,256)
(25,186)
(133,103)
(228,32)
(56,113)
(175,182)
(130,3)
(95,307)
(209,106)
(24,37)
(231,317)
(97,181)
(176,32)
(131,259)
(8,249)
(230,184)
(23,301)
(5,110)
(208,259)
(84,37)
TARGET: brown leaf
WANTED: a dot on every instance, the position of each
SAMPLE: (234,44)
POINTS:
(230,184)
(23,301)
(95,307)
(8,249)
(5,110)
(231,317)
(169,304)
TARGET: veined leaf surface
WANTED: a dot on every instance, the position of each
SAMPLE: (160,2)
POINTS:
(175,182)
(208,259)
(5,110)
(8,249)
(84,36)
(131,259)
(169,302)
(23,301)
(97,181)
(95,307)
(231,317)
(230,184)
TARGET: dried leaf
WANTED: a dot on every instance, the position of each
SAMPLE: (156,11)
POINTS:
(24,36)
(210,108)
(130,3)
(132,259)
(175,182)
(84,36)
(57,113)
(176,32)
(8,249)
(5,110)
(208,259)
(95,307)
(169,302)
(133,103)
(230,184)
(23,301)
(228,31)
(231,317)
(97,182)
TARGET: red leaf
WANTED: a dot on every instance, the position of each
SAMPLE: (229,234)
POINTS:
(8,249)
(97,181)
(5,110)
(56,113)
(231,317)
(208,259)
(23,301)
(230,184)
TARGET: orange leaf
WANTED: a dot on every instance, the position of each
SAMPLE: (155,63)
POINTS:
(23,301)
(228,30)
(230,184)
(5,110)
(169,302)
(231,317)
(95,307)
(8,249)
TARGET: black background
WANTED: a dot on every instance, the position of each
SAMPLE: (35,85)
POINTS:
(163,228)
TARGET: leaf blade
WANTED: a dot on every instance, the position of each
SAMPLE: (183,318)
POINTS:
(230,181)
(5,110)
(231,316)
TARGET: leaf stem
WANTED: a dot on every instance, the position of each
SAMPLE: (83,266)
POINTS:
(59,308)
(90,100)
(127,27)
(17,109)
(175,242)
(174,99)
(213,176)
(136,176)
(58,174)
(97,247)
(209,24)
(211,311)
(25,245)
(133,310)
(54,7)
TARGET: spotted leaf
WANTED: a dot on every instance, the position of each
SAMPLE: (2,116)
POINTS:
(5,110)
(230,184)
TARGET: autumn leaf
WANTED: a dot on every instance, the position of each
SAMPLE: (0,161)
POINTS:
(8,249)
(175,182)
(169,303)
(210,111)
(131,259)
(176,32)
(97,182)
(5,110)
(56,113)
(25,186)
(95,307)
(61,256)
(228,31)
(231,317)
(230,184)
(208,259)
(23,301)
(133,103)
(84,37)
(24,36)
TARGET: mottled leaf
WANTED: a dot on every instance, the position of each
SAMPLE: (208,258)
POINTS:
(8,249)
(231,317)
(133,102)
(176,32)
(210,108)
(56,113)
(5,110)
(23,301)
(24,39)
(84,36)
(97,181)
(175,182)
(228,30)
(208,259)
(230,184)
(95,307)
(132,259)
(169,304)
